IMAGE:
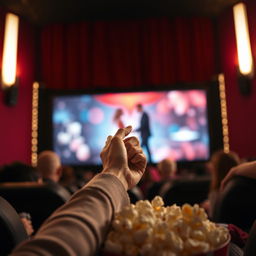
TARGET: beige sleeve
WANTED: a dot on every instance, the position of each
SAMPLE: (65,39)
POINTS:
(79,227)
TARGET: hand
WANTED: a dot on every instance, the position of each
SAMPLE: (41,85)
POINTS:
(124,158)
(27,225)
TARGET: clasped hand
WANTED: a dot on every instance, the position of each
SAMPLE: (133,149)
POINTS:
(124,158)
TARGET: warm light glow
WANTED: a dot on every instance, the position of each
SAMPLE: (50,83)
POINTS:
(243,39)
(10,49)
(224,119)
(34,126)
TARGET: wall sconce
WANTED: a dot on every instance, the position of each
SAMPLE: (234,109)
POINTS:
(245,61)
(9,81)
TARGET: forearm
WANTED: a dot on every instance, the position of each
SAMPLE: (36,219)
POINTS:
(83,226)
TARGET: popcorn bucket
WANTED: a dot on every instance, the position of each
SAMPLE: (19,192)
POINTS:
(220,251)
(150,228)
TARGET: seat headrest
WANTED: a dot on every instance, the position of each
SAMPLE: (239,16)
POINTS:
(12,231)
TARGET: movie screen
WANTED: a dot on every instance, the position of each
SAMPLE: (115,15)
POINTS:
(169,124)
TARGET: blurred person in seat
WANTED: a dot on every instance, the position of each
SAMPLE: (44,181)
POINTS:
(49,166)
(167,169)
(219,165)
(237,203)
(68,179)
(247,169)
(21,172)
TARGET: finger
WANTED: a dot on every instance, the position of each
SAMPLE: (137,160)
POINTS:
(132,141)
(132,151)
(139,157)
(139,161)
(139,167)
(122,132)
(108,140)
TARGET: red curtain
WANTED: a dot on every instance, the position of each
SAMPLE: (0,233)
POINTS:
(127,54)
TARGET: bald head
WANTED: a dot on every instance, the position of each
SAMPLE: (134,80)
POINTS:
(167,168)
(49,165)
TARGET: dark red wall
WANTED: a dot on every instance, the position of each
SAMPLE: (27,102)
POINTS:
(15,122)
(241,109)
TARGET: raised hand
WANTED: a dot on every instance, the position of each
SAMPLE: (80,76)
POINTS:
(124,158)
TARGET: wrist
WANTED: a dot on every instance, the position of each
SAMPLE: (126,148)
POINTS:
(118,174)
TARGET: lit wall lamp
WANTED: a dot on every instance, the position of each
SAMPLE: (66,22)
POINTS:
(9,61)
(245,60)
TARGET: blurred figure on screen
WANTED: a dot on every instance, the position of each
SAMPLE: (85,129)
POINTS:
(117,119)
(144,130)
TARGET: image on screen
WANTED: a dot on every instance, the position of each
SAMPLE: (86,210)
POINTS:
(176,124)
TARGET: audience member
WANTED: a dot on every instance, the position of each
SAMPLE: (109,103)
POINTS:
(49,166)
(151,175)
(167,169)
(219,165)
(244,169)
(19,172)
(88,175)
(80,226)
(68,179)
(83,176)
(236,202)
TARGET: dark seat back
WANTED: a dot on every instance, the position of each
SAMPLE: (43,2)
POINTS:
(191,191)
(12,231)
(237,204)
(250,246)
(40,200)
(154,189)
(135,194)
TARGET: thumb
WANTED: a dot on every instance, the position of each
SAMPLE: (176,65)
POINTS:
(122,132)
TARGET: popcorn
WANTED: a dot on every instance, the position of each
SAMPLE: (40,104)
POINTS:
(149,229)
(157,202)
(195,246)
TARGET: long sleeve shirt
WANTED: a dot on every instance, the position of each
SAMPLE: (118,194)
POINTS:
(80,226)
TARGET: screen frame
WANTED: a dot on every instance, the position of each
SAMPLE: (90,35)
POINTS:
(46,96)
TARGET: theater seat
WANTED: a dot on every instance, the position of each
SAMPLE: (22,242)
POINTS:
(40,200)
(250,246)
(191,191)
(237,204)
(135,194)
(12,231)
